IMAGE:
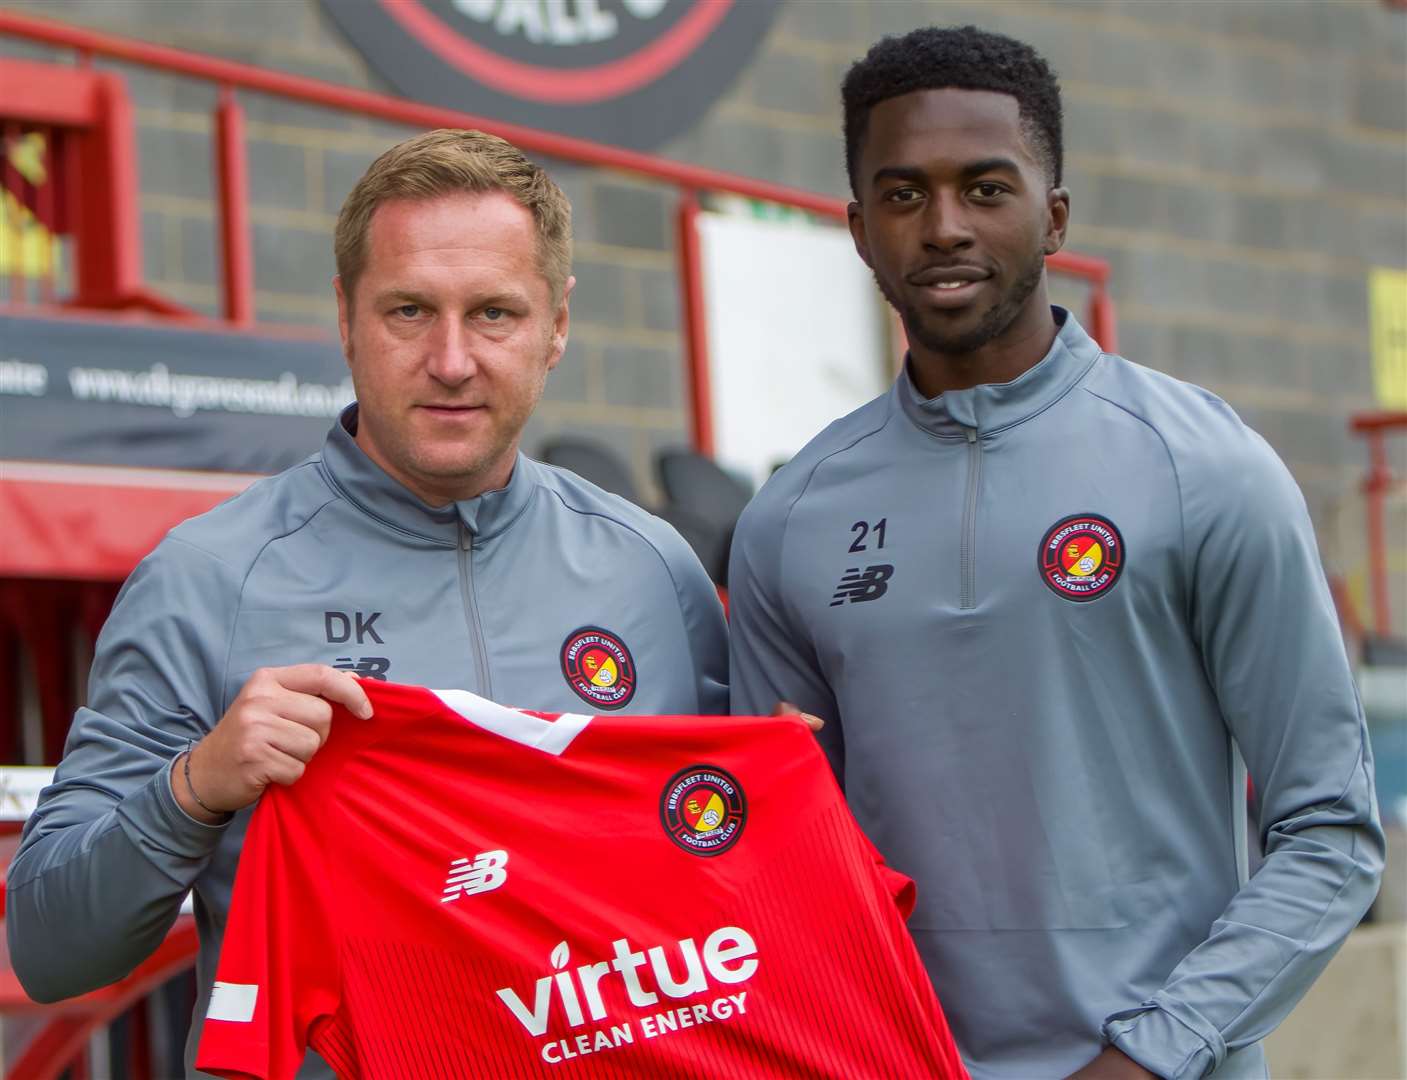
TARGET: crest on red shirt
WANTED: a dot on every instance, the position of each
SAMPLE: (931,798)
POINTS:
(703,810)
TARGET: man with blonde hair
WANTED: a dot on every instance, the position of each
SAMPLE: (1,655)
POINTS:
(418,545)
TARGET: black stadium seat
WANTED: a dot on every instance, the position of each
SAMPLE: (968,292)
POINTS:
(703,503)
(699,485)
(592,461)
(710,543)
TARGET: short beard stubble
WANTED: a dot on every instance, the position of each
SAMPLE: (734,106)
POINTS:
(992,324)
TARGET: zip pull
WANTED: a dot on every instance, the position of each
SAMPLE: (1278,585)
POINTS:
(967,599)
(465,558)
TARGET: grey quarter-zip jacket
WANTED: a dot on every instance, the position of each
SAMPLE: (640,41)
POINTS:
(547,594)
(1046,622)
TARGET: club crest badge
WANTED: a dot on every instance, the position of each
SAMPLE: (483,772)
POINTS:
(1081,557)
(598,667)
(703,810)
(596,69)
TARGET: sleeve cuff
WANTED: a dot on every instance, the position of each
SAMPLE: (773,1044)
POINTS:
(155,822)
(1167,1039)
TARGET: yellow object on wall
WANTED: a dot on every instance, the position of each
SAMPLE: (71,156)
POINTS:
(26,246)
(1387,302)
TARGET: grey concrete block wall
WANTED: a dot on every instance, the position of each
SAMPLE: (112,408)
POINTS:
(1241,165)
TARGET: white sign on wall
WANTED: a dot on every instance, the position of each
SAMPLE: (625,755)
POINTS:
(796,335)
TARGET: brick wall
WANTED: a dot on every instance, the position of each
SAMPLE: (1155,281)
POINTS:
(1241,165)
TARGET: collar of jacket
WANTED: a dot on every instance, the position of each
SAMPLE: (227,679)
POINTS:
(368,486)
(990,407)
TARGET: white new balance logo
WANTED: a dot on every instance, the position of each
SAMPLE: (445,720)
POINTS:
(484,874)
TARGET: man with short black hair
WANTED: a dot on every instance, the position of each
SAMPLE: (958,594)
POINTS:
(1051,605)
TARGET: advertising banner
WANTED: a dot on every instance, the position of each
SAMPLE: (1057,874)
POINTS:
(82,391)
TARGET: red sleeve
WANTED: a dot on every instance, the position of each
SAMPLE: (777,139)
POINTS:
(901,888)
(278,972)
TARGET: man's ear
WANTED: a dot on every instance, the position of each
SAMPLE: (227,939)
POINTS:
(344,316)
(855,218)
(561,321)
(1057,203)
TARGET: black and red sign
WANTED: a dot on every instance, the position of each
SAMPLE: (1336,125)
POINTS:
(629,72)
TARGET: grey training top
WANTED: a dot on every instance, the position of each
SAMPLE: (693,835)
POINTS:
(1041,618)
(334,562)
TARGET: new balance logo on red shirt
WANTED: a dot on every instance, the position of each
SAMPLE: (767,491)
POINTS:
(484,874)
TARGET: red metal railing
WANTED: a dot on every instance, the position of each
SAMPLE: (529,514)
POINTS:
(237,264)
(83,121)
(30,200)
(1375,427)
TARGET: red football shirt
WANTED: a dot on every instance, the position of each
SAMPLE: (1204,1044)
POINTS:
(457,889)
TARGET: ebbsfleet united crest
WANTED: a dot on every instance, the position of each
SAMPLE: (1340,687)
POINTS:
(628,72)
(598,667)
(703,810)
(1081,557)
